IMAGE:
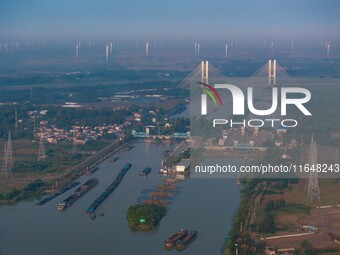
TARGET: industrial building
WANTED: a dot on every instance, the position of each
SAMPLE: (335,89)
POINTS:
(183,165)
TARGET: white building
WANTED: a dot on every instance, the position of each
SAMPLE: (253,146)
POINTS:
(181,166)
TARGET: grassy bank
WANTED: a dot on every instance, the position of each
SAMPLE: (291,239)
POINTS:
(28,173)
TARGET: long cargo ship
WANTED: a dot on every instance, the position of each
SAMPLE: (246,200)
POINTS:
(171,241)
(77,194)
(91,210)
(58,193)
(146,171)
(185,241)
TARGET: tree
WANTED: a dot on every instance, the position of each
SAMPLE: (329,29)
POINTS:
(150,214)
(307,248)
(267,225)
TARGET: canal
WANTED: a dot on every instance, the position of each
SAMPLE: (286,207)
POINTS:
(205,205)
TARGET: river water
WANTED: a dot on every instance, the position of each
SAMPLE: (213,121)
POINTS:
(205,205)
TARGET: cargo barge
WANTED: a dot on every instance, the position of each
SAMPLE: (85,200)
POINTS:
(91,210)
(128,147)
(91,170)
(171,241)
(185,241)
(58,193)
(146,171)
(83,189)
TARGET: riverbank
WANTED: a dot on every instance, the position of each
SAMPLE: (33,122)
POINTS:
(274,212)
(241,219)
(242,237)
(33,191)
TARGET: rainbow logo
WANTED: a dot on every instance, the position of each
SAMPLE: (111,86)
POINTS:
(209,90)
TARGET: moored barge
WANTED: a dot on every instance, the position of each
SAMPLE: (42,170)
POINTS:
(171,241)
(185,241)
(77,194)
(58,193)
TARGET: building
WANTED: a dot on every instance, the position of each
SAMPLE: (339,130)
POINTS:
(286,251)
(183,165)
(270,251)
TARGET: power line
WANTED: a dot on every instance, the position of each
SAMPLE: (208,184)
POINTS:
(313,184)
(41,153)
(8,158)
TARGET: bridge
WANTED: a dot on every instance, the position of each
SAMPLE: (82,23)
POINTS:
(150,136)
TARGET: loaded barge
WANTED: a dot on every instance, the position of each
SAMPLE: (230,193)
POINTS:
(91,210)
(83,189)
(58,193)
(171,241)
(185,241)
(91,170)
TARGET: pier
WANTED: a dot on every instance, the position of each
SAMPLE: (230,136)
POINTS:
(90,163)
(161,194)
(149,136)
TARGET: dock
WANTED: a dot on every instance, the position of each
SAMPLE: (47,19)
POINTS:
(161,194)
(167,187)
(58,193)
(155,202)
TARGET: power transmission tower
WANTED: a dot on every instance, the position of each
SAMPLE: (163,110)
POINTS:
(16,119)
(302,151)
(74,148)
(313,184)
(8,158)
(34,127)
(4,169)
(41,153)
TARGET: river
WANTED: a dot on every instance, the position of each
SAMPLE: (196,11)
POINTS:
(205,205)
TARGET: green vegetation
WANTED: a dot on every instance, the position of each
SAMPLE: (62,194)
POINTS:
(276,208)
(7,121)
(80,89)
(240,220)
(31,191)
(30,166)
(178,125)
(294,208)
(66,117)
(251,189)
(306,248)
(143,217)
(267,224)
(201,126)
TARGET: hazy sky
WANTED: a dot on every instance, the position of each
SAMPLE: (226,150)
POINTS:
(168,18)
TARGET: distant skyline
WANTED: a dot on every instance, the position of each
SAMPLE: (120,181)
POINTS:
(154,19)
